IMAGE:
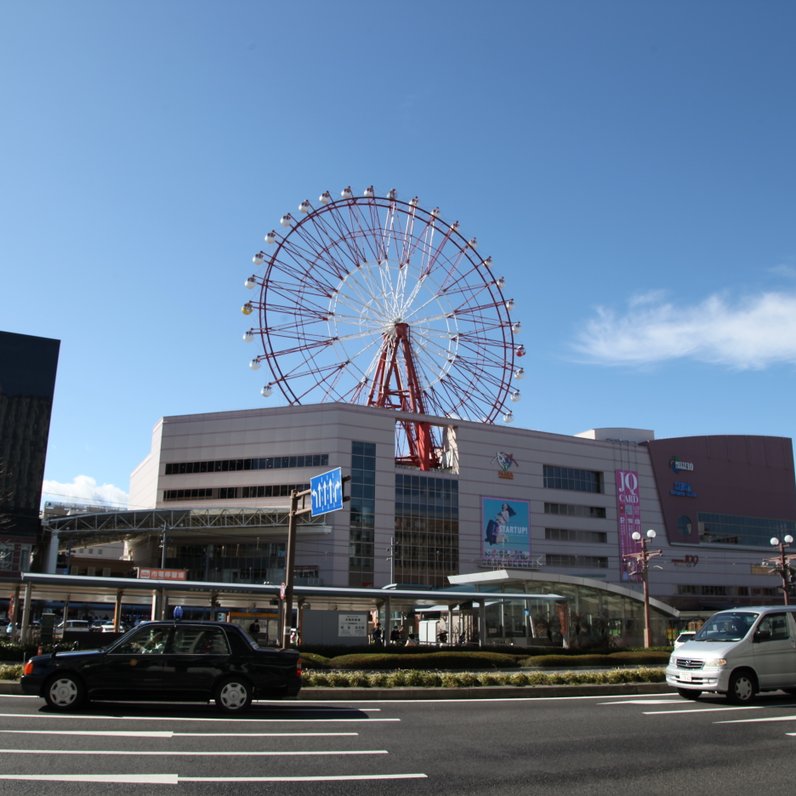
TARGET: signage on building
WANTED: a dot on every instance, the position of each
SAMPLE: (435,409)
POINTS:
(628,513)
(352,625)
(686,561)
(505,461)
(326,492)
(506,540)
(682,489)
(679,465)
(150,573)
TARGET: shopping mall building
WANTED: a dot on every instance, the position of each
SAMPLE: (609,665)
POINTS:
(507,509)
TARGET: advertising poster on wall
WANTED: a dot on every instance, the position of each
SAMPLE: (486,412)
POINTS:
(506,532)
(628,512)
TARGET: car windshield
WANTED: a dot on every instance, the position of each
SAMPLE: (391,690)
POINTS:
(727,626)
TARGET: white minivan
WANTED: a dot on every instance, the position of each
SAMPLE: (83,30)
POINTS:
(738,652)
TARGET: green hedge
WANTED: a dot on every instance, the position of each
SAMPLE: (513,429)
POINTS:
(457,660)
(428,679)
(425,660)
(624,658)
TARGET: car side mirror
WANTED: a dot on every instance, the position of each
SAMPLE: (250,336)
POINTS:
(762,635)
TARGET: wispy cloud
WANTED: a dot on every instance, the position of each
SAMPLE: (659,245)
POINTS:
(784,271)
(751,333)
(84,489)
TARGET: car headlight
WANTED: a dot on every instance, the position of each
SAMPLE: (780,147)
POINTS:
(715,663)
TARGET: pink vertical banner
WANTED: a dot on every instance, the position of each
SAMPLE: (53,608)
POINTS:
(628,512)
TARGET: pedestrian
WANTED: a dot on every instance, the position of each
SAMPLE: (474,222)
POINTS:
(254,629)
(377,635)
(411,641)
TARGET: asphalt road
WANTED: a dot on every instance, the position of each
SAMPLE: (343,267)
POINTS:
(617,744)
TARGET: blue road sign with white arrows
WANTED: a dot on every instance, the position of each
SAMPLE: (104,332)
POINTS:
(326,492)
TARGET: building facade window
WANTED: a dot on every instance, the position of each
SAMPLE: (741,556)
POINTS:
(684,525)
(254,562)
(575,561)
(363,514)
(738,530)
(234,492)
(575,510)
(573,535)
(426,540)
(556,477)
(6,556)
(260,463)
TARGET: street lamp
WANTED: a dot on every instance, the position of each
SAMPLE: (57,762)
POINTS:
(782,563)
(643,558)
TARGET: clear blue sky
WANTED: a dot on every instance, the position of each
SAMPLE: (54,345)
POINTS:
(630,166)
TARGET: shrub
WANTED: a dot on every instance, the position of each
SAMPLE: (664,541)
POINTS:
(311,660)
(426,660)
(624,658)
(10,671)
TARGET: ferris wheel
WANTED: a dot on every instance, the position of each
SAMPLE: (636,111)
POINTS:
(375,301)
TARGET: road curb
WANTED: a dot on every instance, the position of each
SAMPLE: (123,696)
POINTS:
(11,687)
(483,692)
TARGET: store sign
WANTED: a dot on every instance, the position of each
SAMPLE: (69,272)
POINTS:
(628,513)
(505,461)
(352,625)
(150,573)
(679,465)
(686,561)
(682,489)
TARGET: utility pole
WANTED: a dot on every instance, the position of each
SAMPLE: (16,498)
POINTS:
(782,564)
(643,562)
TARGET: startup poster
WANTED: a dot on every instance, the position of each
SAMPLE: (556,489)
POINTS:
(506,532)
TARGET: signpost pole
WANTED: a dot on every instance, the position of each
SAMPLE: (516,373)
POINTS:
(326,494)
(287,602)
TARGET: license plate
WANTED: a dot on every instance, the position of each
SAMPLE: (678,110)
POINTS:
(685,677)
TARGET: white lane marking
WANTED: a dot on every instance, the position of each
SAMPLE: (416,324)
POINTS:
(125,779)
(168,734)
(318,778)
(176,779)
(767,718)
(685,709)
(470,700)
(674,701)
(220,753)
(179,719)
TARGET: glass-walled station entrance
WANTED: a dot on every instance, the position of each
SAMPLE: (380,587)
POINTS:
(591,613)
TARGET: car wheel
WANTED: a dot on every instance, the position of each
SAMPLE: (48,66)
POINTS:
(742,687)
(233,695)
(64,692)
(687,693)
